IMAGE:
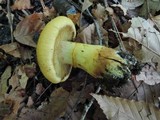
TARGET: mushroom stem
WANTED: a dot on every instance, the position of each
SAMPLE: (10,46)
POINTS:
(95,59)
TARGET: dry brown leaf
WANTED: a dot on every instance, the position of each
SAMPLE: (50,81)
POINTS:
(21,5)
(12,49)
(54,110)
(126,109)
(19,78)
(26,29)
(3,81)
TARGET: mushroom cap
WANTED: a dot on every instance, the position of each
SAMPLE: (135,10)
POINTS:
(59,29)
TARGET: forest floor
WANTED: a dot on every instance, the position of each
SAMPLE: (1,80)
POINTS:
(25,94)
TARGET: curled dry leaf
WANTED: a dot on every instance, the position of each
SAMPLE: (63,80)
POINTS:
(12,49)
(124,109)
(26,52)
(26,29)
(21,5)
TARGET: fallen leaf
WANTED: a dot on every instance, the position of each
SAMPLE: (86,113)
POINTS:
(146,35)
(54,110)
(22,4)
(149,75)
(26,29)
(30,70)
(152,7)
(26,52)
(88,35)
(4,78)
(12,49)
(86,4)
(126,109)
(131,4)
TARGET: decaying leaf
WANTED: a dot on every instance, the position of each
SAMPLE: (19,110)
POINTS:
(19,77)
(144,33)
(26,29)
(54,110)
(149,75)
(12,49)
(3,81)
(22,4)
(126,109)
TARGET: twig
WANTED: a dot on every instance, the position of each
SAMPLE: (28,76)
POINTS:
(99,33)
(87,107)
(122,48)
(44,91)
(10,19)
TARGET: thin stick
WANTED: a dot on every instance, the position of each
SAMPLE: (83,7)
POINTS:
(10,19)
(87,106)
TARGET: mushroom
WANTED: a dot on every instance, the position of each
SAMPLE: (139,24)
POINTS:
(57,54)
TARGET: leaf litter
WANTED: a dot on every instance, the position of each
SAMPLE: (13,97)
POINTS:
(26,94)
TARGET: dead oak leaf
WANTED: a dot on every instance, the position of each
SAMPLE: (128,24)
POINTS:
(21,5)
(26,29)
(12,49)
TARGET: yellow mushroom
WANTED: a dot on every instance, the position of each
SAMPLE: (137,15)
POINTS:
(57,54)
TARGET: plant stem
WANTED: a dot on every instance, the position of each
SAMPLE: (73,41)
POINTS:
(87,107)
